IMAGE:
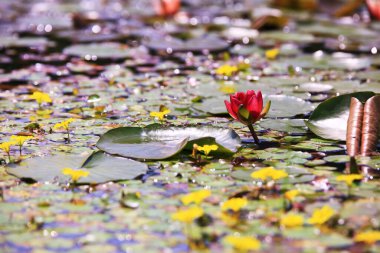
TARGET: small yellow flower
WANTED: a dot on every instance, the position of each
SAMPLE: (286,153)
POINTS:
(228,219)
(269,172)
(226,70)
(291,194)
(64,124)
(243,243)
(75,174)
(321,215)
(349,179)
(19,140)
(206,149)
(291,220)
(40,97)
(369,237)
(6,146)
(272,54)
(159,115)
(195,197)
(228,89)
(234,204)
(188,215)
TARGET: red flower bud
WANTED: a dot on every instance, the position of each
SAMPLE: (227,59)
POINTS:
(374,8)
(166,7)
(247,107)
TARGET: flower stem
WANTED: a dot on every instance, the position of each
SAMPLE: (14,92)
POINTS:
(68,136)
(253,133)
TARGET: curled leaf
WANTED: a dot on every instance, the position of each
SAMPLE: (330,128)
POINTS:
(354,127)
(370,126)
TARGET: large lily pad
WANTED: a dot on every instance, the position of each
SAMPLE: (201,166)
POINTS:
(102,167)
(197,45)
(156,142)
(329,119)
(99,50)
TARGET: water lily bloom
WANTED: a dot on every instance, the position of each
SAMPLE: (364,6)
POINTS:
(321,215)
(291,194)
(349,179)
(166,7)
(226,70)
(272,54)
(160,115)
(6,147)
(75,174)
(19,140)
(64,125)
(206,149)
(269,173)
(374,8)
(196,197)
(40,97)
(291,220)
(188,215)
(243,243)
(247,108)
(368,237)
(234,204)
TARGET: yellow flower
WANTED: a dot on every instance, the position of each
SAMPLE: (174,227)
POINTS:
(75,174)
(195,197)
(269,172)
(349,179)
(159,115)
(6,146)
(188,215)
(19,140)
(206,149)
(234,204)
(226,70)
(369,237)
(272,54)
(243,243)
(290,195)
(291,220)
(229,220)
(321,215)
(41,97)
(64,124)
(228,89)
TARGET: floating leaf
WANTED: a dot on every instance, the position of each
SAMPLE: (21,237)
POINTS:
(354,127)
(329,119)
(102,167)
(157,142)
(370,127)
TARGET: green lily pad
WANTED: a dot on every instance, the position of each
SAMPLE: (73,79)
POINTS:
(101,166)
(156,142)
(329,119)
(99,50)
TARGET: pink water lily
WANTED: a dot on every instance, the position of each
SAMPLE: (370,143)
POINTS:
(247,108)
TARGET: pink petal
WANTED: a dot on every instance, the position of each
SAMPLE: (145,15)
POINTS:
(253,107)
(259,101)
(229,109)
(235,105)
(248,96)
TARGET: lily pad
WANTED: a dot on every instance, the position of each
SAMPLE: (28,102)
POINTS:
(99,50)
(329,119)
(101,166)
(197,45)
(157,142)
